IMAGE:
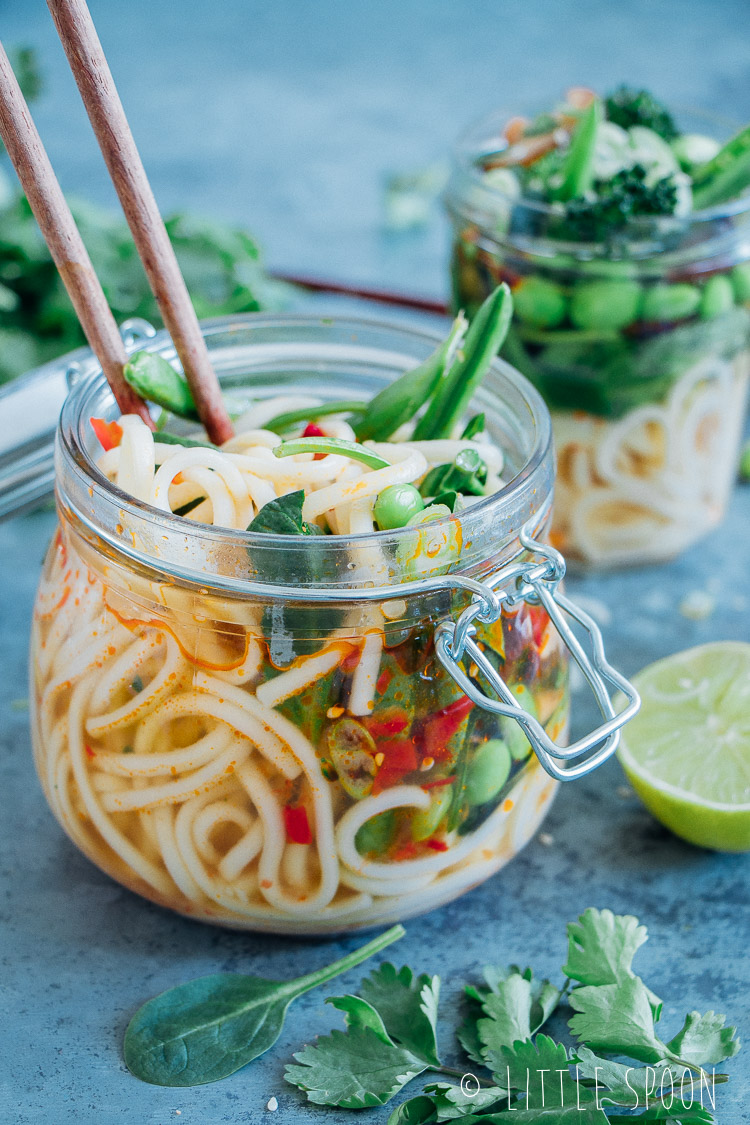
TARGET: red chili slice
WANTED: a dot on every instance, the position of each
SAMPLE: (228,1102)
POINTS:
(311,430)
(439,782)
(388,723)
(400,758)
(439,728)
(108,433)
(384,679)
(297,825)
(437,845)
(539,621)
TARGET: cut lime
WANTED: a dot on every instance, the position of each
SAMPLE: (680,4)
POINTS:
(687,751)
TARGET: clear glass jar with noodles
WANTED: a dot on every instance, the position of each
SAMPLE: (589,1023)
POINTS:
(293,734)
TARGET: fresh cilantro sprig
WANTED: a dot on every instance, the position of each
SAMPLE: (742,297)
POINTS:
(391,1040)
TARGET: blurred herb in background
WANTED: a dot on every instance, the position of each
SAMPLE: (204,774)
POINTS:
(221,265)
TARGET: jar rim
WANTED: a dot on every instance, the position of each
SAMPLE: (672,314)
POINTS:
(467,176)
(107,513)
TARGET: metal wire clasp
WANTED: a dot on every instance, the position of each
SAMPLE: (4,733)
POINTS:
(536,581)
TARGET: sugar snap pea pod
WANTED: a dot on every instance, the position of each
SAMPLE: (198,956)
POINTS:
(399,401)
(157,381)
(717,297)
(578,167)
(670,302)
(331,445)
(281,422)
(605,304)
(454,392)
(725,175)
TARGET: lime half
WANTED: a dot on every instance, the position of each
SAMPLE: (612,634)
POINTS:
(687,752)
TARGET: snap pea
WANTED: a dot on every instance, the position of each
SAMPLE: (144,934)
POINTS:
(605,304)
(281,422)
(578,166)
(467,474)
(670,302)
(455,390)
(513,734)
(376,834)
(725,175)
(157,381)
(717,297)
(331,445)
(396,505)
(424,822)
(539,302)
(474,426)
(399,401)
(488,771)
(741,281)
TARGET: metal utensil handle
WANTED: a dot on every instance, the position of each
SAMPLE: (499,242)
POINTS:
(535,581)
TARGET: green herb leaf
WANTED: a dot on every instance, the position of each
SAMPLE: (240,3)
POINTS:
(353,1069)
(631,1086)
(512,1007)
(283,516)
(408,1007)
(359,1013)
(208,1028)
(416,1111)
(541,1067)
(156,380)
(451,1101)
(704,1040)
(617,1018)
(601,947)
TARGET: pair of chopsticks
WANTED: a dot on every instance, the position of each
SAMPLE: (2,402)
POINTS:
(95,83)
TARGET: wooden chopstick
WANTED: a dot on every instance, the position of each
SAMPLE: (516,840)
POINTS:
(96,85)
(62,236)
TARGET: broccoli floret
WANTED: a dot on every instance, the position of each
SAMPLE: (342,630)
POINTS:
(626,107)
(618,200)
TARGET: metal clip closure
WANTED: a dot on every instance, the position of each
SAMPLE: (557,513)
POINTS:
(536,581)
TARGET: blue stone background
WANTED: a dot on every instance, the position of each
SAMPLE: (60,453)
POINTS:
(288,117)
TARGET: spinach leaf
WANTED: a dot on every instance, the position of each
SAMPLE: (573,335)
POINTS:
(283,516)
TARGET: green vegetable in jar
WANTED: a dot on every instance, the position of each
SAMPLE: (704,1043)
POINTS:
(539,302)
(376,834)
(694,148)
(717,297)
(605,304)
(424,822)
(513,734)
(396,505)
(352,750)
(488,771)
(741,281)
(670,302)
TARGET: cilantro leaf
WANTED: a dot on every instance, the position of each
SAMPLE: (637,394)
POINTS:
(407,1006)
(588,1114)
(693,1115)
(468,1034)
(512,1007)
(451,1101)
(542,1057)
(704,1040)
(617,1018)
(416,1111)
(353,1069)
(358,1013)
(632,1086)
(283,516)
(601,947)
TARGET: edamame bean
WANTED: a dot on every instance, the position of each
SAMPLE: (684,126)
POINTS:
(605,304)
(539,302)
(670,302)
(376,834)
(488,772)
(741,281)
(514,735)
(424,822)
(396,505)
(717,297)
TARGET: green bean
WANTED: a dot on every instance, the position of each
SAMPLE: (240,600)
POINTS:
(396,505)
(399,401)
(605,304)
(539,302)
(474,426)
(670,302)
(725,175)
(455,390)
(281,422)
(717,297)
(331,445)
(175,439)
(488,771)
(424,822)
(156,380)
(741,282)
(578,167)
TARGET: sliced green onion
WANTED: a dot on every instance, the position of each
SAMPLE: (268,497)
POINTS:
(281,422)
(331,445)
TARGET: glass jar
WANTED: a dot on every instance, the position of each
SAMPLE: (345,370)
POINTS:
(640,347)
(291,735)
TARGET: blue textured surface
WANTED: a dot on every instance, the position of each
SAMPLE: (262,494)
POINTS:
(287,116)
